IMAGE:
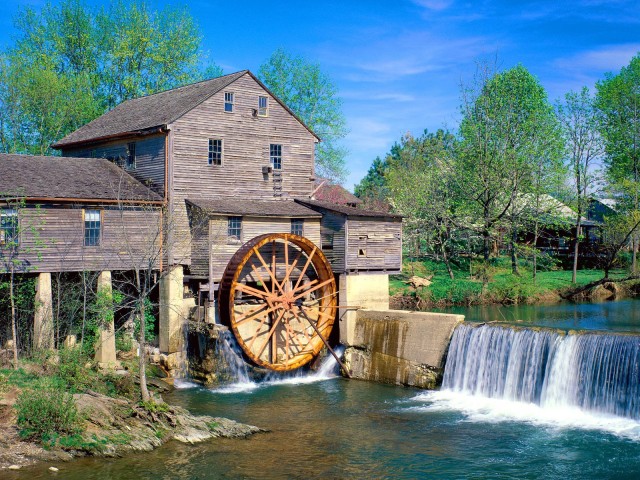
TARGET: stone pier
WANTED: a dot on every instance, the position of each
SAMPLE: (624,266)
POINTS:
(43,338)
(367,291)
(106,342)
(400,347)
(172,311)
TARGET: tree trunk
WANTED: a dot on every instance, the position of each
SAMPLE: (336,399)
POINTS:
(514,253)
(445,258)
(142,359)
(84,307)
(634,255)
(576,248)
(535,251)
(14,330)
(144,390)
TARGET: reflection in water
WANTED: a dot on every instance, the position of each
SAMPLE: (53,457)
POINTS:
(621,316)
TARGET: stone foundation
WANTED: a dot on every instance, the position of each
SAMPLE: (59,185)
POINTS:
(400,347)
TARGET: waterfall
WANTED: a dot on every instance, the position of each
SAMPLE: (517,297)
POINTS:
(232,366)
(594,372)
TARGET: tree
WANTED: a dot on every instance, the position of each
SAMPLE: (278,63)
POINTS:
(70,63)
(503,115)
(583,148)
(420,182)
(372,189)
(618,101)
(313,97)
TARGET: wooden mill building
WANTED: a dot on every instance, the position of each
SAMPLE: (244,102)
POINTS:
(228,161)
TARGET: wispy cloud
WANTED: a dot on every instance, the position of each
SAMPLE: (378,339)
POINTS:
(437,5)
(606,58)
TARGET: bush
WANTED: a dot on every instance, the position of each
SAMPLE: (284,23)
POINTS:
(72,371)
(46,412)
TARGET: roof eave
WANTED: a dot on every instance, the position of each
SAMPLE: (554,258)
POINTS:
(116,136)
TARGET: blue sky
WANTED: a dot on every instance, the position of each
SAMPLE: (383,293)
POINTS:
(399,64)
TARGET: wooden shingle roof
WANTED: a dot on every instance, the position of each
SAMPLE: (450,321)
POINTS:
(346,210)
(149,112)
(254,208)
(69,179)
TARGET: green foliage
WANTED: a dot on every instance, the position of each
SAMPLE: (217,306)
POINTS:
(72,371)
(154,407)
(312,95)
(72,62)
(149,321)
(46,411)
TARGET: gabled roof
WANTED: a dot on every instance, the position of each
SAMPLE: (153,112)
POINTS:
(255,208)
(346,210)
(149,113)
(70,179)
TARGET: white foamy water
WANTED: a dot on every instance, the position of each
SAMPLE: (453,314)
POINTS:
(542,377)
(183,384)
(328,369)
(479,409)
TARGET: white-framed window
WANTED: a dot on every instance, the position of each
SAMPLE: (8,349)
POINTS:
(275,156)
(92,228)
(297,226)
(130,161)
(8,225)
(215,151)
(228,101)
(263,106)
(234,228)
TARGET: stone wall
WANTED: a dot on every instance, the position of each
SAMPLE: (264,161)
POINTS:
(400,347)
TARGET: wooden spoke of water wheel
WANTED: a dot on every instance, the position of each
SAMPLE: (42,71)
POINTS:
(278,297)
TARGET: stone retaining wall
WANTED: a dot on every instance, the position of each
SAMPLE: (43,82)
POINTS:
(400,347)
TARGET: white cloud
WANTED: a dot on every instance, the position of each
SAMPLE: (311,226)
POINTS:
(603,59)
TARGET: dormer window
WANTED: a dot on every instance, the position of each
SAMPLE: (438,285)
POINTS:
(263,106)
(130,162)
(228,101)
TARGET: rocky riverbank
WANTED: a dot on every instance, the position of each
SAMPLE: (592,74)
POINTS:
(111,427)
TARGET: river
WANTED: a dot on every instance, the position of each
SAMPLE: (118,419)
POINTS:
(336,428)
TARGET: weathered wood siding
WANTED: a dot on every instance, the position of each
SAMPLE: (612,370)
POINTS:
(333,227)
(213,261)
(150,158)
(52,239)
(246,139)
(374,244)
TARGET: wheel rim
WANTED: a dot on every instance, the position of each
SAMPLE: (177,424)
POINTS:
(278,296)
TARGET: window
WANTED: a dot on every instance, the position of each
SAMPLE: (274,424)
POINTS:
(130,162)
(215,152)
(263,106)
(228,101)
(234,230)
(297,226)
(8,225)
(327,241)
(275,156)
(91,228)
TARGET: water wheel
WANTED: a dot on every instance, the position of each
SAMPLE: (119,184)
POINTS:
(278,296)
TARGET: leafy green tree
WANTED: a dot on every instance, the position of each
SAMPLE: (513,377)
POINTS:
(583,148)
(71,62)
(372,189)
(504,114)
(420,182)
(618,101)
(313,97)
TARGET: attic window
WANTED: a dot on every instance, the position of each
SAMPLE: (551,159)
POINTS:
(130,163)
(228,101)
(263,106)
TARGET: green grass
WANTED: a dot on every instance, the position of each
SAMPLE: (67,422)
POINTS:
(503,287)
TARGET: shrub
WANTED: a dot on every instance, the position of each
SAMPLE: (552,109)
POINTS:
(46,412)
(72,371)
